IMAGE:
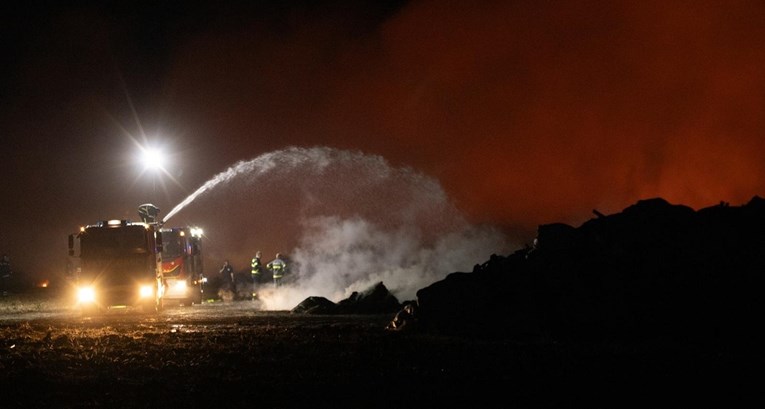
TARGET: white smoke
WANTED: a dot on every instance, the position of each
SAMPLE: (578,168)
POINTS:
(339,256)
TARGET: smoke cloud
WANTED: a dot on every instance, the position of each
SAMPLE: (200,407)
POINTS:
(337,256)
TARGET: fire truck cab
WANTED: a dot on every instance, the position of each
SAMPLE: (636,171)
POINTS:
(182,274)
(118,266)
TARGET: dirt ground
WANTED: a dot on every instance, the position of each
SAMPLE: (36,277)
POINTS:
(230,355)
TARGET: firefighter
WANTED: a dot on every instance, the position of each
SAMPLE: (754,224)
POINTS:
(277,267)
(256,266)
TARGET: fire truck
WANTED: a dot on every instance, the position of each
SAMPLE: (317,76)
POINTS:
(182,273)
(118,264)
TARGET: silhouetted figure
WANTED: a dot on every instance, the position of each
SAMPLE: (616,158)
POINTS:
(227,274)
(5,274)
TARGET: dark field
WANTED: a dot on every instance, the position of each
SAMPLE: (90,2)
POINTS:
(229,355)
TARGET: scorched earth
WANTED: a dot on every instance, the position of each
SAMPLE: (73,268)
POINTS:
(228,354)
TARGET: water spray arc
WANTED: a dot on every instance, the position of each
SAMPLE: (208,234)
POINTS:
(357,220)
(315,161)
(261,163)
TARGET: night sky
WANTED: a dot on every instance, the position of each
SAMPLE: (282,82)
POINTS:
(526,112)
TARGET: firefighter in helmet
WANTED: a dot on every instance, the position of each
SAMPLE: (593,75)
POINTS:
(256,267)
(277,267)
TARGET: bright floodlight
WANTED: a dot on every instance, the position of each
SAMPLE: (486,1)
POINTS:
(153,158)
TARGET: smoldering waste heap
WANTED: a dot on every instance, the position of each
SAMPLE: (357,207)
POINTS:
(653,270)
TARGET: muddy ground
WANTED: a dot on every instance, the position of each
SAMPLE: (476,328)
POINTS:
(227,354)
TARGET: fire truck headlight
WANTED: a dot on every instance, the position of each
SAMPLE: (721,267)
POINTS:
(86,295)
(146,291)
(180,286)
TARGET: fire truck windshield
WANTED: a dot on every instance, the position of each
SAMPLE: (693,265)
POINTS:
(114,241)
(172,245)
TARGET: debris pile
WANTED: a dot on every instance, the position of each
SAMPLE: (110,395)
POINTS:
(653,269)
(404,319)
(374,300)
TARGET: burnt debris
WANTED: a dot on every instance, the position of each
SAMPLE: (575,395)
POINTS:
(374,300)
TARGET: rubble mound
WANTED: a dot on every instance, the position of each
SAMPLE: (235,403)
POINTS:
(315,305)
(653,269)
(374,300)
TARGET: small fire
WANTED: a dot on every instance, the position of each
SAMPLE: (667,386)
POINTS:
(43,284)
